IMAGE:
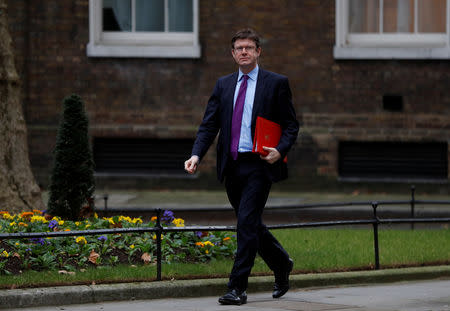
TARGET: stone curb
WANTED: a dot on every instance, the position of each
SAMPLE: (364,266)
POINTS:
(65,295)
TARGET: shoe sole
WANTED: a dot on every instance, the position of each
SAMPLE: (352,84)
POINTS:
(231,303)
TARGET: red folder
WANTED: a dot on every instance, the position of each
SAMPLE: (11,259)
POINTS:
(267,134)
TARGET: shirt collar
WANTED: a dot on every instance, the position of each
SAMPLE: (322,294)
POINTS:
(252,74)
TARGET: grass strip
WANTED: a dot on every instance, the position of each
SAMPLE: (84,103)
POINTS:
(313,251)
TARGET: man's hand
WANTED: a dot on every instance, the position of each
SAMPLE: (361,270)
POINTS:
(190,165)
(273,155)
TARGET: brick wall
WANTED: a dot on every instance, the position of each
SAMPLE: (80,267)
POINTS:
(337,100)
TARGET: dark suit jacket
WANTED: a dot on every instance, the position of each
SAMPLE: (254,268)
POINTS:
(273,101)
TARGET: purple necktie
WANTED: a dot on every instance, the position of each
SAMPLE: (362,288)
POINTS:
(237,118)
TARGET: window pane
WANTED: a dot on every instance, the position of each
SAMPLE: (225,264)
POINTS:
(180,15)
(432,15)
(364,16)
(149,15)
(398,16)
(116,15)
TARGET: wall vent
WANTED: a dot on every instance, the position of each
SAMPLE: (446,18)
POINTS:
(393,103)
(140,156)
(393,160)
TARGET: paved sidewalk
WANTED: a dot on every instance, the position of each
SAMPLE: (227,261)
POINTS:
(407,296)
(213,208)
(166,291)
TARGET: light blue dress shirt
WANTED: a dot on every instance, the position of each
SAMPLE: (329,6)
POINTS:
(245,141)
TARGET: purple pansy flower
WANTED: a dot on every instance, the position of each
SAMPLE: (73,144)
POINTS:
(52,224)
(38,241)
(167,216)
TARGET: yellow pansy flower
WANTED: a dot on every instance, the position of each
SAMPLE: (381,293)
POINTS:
(178,222)
(137,220)
(8,216)
(37,218)
(81,240)
(124,218)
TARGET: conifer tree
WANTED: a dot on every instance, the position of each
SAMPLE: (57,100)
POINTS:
(72,180)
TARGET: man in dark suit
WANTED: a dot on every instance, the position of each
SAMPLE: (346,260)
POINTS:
(232,109)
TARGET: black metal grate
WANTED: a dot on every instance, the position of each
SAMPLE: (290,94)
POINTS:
(140,156)
(393,103)
(393,160)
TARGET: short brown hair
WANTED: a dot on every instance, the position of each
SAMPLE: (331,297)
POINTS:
(246,33)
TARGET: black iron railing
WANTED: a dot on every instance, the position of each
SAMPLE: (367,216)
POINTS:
(375,221)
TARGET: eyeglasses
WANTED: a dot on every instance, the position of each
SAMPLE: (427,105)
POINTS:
(250,48)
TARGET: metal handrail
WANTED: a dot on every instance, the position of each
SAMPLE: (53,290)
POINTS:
(159,230)
(144,209)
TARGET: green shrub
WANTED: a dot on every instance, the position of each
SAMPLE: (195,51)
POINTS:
(72,180)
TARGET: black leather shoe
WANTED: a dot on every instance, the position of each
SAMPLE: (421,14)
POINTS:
(234,297)
(281,285)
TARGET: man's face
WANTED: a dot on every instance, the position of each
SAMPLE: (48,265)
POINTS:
(245,53)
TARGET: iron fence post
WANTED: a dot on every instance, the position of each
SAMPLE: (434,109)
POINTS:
(158,244)
(105,199)
(375,235)
(413,190)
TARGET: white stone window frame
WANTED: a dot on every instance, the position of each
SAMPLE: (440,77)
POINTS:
(140,44)
(388,46)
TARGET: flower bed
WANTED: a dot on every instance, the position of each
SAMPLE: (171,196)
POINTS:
(78,252)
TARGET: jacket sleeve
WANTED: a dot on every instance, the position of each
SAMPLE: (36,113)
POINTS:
(210,125)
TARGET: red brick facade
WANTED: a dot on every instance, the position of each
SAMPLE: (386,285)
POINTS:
(163,98)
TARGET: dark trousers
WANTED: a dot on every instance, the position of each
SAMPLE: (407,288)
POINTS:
(248,186)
